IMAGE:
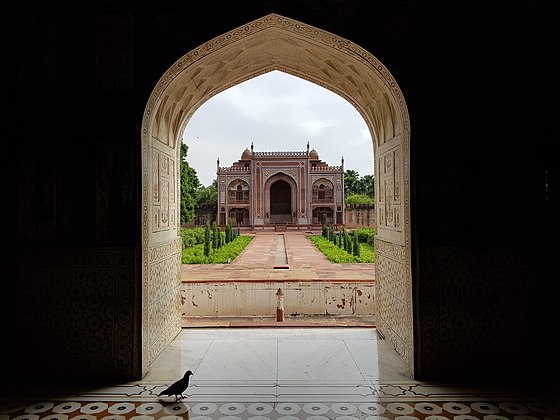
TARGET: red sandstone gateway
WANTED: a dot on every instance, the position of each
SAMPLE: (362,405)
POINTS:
(280,189)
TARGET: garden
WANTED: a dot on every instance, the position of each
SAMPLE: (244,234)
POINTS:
(209,245)
(344,246)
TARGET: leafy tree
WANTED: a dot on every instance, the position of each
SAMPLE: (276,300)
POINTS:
(358,199)
(208,196)
(368,185)
(351,178)
(189,186)
(354,184)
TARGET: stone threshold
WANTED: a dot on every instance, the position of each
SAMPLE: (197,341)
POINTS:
(270,322)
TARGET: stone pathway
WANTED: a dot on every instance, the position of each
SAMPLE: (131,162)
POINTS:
(259,259)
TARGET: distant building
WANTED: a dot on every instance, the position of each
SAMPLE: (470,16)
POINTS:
(294,189)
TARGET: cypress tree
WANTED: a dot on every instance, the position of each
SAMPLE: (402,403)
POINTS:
(347,242)
(216,238)
(207,239)
(356,248)
(229,232)
(324,226)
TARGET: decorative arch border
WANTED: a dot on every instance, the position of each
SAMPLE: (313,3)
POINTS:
(238,181)
(280,176)
(323,179)
(385,113)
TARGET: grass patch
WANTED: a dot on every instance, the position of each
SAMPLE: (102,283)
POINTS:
(339,255)
(195,253)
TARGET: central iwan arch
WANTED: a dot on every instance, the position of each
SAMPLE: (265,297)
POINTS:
(270,43)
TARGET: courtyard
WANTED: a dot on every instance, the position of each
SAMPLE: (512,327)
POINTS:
(316,291)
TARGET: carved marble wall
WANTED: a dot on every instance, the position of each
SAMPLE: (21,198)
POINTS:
(115,195)
(162,302)
(77,309)
(37,202)
(393,270)
(164,184)
(274,42)
(477,309)
(394,297)
(389,204)
(161,248)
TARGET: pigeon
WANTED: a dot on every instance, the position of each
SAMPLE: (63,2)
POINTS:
(177,388)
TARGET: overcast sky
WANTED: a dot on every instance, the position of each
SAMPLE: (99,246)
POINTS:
(277,112)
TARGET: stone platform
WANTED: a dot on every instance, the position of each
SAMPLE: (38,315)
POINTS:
(258,259)
(243,293)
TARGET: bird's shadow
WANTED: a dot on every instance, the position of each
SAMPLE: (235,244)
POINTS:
(179,407)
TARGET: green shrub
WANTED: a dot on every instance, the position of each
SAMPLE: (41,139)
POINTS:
(365,235)
(191,236)
(359,199)
(195,254)
(339,255)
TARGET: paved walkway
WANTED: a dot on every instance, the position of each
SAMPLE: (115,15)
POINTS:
(259,261)
(262,261)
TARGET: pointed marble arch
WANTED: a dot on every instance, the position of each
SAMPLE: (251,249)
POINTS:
(275,42)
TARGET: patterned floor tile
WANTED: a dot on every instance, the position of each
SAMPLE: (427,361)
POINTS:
(402,410)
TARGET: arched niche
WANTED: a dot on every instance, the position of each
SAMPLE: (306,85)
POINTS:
(274,42)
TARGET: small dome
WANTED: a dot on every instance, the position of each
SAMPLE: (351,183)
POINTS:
(314,155)
(246,155)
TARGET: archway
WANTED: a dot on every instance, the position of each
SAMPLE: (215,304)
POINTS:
(289,201)
(275,43)
(280,202)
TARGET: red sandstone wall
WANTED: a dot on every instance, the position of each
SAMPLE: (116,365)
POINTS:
(359,215)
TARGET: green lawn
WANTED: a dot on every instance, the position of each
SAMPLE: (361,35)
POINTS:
(195,254)
(339,255)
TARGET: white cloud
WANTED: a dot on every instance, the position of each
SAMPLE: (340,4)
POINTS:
(313,127)
(277,112)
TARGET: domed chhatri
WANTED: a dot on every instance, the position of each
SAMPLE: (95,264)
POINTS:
(246,154)
(313,155)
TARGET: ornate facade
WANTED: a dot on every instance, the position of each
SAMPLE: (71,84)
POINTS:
(280,188)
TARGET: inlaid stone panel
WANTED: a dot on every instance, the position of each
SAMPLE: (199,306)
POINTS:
(162,300)
(78,305)
(477,307)
(393,298)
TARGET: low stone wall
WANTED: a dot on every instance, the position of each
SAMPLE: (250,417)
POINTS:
(359,215)
(245,299)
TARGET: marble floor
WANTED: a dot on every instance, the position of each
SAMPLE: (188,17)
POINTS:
(282,374)
(280,363)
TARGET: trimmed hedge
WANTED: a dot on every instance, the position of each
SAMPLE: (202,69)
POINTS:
(339,255)
(195,254)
